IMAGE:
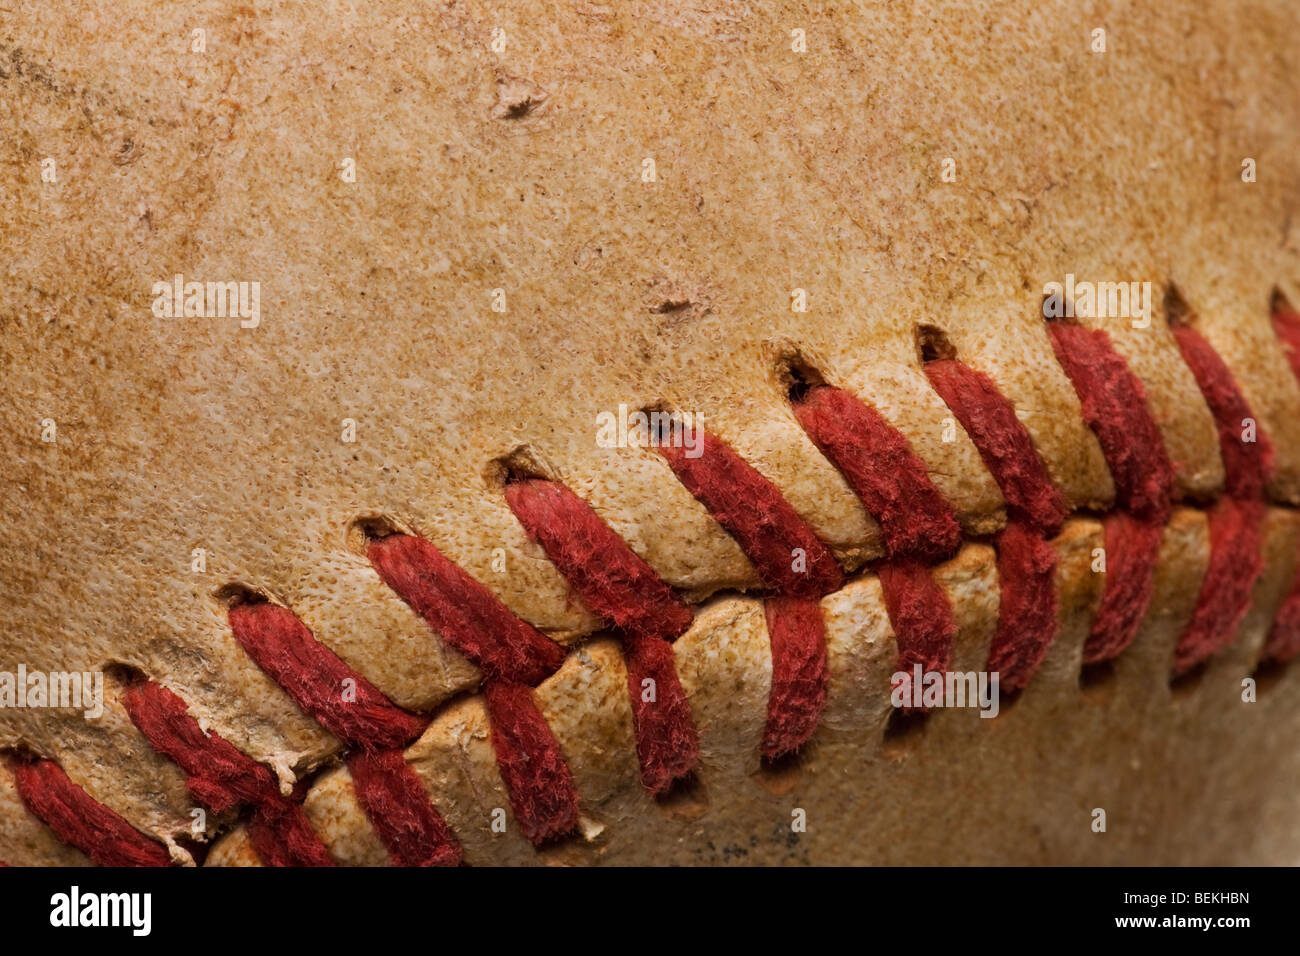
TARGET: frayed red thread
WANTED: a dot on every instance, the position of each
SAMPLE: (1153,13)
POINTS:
(1283,641)
(463,612)
(538,781)
(280,835)
(1027,609)
(222,778)
(318,681)
(218,776)
(1003,443)
(399,809)
(875,459)
(609,577)
(81,821)
(789,557)
(619,585)
(799,673)
(1286,326)
(667,744)
(1115,408)
(1236,562)
(921,617)
(1248,465)
(1132,548)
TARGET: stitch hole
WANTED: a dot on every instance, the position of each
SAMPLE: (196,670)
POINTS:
(932,344)
(903,733)
(1097,682)
(1268,674)
(235,594)
(364,529)
(520,464)
(123,675)
(1177,311)
(1063,318)
(780,775)
(686,800)
(1185,685)
(1278,302)
(797,375)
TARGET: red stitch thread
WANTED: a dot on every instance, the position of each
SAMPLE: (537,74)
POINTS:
(399,809)
(1286,326)
(1003,442)
(1248,465)
(463,612)
(1132,548)
(799,673)
(316,679)
(752,511)
(81,821)
(1114,406)
(618,584)
(222,778)
(880,467)
(921,616)
(1236,521)
(667,744)
(1236,561)
(281,836)
(1283,642)
(512,654)
(537,779)
(612,579)
(1027,610)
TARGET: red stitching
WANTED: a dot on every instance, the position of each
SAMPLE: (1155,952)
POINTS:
(799,673)
(81,821)
(399,809)
(537,778)
(1236,520)
(317,679)
(512,655)
(1114,407)
(921,616)
(879,465)
(1132,547)
(1027,609)
(463,612)
(619,585)
(754,513)
(1035,510)
(610,578)
(1003,443)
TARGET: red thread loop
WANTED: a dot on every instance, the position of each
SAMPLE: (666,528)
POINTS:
(752,511)
(921,617)
(1115,408)
(222,778)
(318,681)
(878,464)
(799,673)
(1132,548)
(537,779)
(611,578)
(619,585)
(1027,610)
(463,612)
(1003,442)
(81,821)
(512,655)
(399,809)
